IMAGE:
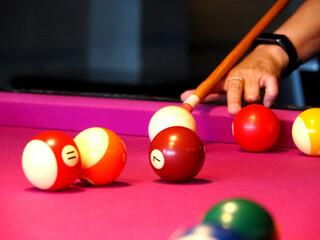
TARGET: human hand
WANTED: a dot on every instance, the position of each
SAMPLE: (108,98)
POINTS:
(260,69)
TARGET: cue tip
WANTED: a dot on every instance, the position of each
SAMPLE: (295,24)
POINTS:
(187,107)
(191,102)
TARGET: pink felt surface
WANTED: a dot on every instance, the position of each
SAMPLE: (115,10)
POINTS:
(129,117)
(140,206)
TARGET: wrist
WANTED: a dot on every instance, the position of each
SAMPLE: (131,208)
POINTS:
(287,47)
(277,56)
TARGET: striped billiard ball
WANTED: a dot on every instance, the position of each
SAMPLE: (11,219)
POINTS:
(51,161)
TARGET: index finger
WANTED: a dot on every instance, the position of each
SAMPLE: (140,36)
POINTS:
(234,86)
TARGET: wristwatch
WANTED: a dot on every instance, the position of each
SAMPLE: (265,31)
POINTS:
(285,44)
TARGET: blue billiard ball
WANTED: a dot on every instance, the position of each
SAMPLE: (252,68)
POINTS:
(205,231)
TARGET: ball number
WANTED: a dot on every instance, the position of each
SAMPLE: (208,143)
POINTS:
(157,159)
(70,155)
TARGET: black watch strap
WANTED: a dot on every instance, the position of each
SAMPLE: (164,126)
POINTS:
(285,44)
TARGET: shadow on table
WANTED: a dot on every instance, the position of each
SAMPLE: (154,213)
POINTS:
(68,190)
(195,181)
(84,184)
(275,150)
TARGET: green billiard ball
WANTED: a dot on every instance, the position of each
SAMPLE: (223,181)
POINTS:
(248,219)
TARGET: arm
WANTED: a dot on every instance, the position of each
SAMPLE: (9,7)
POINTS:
(264,65)
(303,29)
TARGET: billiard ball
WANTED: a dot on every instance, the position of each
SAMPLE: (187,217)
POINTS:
(51,161)
(306,132)
(168,117)
(246,218)
(205,231)
(255,128)
(176,154)
(103,155)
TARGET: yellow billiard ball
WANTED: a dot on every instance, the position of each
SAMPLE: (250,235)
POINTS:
(306,132)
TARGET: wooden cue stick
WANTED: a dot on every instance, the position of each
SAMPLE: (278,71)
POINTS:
(205,87)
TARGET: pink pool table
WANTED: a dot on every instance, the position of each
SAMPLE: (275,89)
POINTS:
(138,205)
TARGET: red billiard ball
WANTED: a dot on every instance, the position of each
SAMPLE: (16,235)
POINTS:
(51,161)
(255,128)
(176,154)
(103,155)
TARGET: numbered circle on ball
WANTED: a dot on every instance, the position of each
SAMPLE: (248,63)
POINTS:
(70,155)
(157,159)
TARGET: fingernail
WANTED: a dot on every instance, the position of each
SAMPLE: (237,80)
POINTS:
(234,108)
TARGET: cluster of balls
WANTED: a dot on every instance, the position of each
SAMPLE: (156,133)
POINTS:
(233,219)
(256,128)
(176,152)
(53,160)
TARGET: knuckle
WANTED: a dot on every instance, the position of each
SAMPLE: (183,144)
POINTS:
(233,85)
